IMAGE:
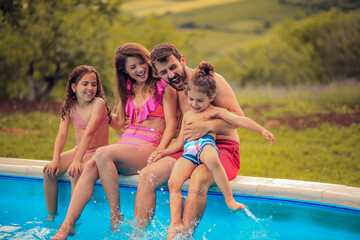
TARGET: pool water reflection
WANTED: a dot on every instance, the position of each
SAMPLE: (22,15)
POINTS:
(23,210)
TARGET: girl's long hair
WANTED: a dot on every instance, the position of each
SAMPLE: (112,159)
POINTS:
(122,77)
(75,77)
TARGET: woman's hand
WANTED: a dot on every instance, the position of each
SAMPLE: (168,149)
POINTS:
(75,169)
(52,169)
(154,156)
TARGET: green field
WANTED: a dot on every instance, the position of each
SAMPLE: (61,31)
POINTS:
(323,151)
(218,25)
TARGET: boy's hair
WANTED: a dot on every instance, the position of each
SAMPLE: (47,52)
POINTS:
(161,52)
(75,77)
(204,78)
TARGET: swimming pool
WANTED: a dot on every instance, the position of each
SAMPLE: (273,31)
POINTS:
(22,214)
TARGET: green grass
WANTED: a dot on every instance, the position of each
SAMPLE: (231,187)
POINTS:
(230,25)
(39,143)
(325,153)
(301,100)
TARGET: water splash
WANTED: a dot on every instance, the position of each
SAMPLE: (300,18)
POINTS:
(247,211)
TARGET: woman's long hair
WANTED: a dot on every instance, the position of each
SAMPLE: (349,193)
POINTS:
(122,77)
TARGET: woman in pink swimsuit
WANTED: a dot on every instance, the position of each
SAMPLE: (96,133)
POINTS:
(147,113)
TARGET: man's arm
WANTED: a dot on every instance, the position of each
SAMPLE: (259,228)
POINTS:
(225,98)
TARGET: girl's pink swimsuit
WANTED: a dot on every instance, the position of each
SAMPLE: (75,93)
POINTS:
(81,123)
(139,135)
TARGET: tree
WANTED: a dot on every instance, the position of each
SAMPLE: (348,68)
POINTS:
(317,49)
(42,41)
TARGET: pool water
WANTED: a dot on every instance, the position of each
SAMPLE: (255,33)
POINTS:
(23,210)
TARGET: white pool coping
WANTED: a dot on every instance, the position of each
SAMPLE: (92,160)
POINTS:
(255,186)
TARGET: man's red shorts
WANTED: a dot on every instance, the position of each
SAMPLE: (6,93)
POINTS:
(229,156)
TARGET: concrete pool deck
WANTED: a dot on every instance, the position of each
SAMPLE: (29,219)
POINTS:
(263,187)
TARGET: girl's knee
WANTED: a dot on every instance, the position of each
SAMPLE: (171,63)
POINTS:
(47,178)
(212,161)
(90,166)
(100,155)
(174,184)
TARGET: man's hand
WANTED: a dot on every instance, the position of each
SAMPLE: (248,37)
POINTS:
(195,130)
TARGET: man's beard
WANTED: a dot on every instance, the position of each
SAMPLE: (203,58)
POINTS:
(178,79)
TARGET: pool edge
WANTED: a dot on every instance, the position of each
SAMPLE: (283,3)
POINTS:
(266,187)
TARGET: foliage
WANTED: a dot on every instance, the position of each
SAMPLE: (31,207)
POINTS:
(335,38)
(42,41)
(320,48)
(324,5)
(230,25)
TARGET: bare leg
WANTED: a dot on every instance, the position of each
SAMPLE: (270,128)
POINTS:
(210,158)
(200,181)
(151,177)
(180,173)
(74,181)
(51,185)
(123,158)
(81,196)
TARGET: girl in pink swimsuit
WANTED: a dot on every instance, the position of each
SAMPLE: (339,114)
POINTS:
(86,107)
(147,114)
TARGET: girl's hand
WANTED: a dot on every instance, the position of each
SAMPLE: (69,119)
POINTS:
(268,135)
(154,156)
(52,169)
(75,170)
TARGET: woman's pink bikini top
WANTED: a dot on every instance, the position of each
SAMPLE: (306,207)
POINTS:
(151,107)
(82,123)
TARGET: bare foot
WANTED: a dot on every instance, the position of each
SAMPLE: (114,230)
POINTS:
(174,230)
(235,206)
(51,216)
(63,232)
(115,220)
